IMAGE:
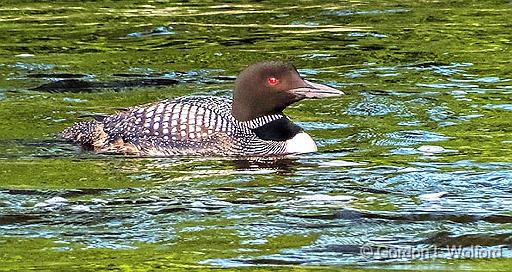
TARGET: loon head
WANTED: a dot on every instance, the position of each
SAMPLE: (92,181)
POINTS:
(267,88)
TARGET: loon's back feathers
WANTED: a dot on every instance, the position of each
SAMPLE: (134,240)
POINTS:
(185,126)
(84,133)
(202,125)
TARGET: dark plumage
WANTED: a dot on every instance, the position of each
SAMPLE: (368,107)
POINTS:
(252,124)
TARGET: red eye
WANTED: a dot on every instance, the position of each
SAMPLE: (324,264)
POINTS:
(272,81)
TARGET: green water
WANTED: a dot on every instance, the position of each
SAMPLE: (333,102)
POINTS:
(417,155)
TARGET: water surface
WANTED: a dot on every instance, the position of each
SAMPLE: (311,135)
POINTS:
(417,155)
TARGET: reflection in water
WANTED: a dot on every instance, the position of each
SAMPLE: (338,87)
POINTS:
(281,165)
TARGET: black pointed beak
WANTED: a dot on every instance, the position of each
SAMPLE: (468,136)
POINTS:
(315,90)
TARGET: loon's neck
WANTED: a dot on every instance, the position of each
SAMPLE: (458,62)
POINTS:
(281,129)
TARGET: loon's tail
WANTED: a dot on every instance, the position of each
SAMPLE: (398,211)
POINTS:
(89,134)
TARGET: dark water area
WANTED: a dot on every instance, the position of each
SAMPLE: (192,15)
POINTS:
(414,162)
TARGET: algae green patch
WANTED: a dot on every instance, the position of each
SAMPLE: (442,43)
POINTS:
(54,173)
(47,255)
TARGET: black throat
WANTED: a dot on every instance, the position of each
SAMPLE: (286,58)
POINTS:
(281,129)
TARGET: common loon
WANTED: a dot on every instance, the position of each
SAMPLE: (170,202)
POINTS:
(250,124)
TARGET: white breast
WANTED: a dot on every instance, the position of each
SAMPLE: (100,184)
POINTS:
(300,143)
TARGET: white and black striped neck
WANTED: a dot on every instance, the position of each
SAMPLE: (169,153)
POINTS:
(262,120)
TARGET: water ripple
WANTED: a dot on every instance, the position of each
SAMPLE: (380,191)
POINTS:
(410,137)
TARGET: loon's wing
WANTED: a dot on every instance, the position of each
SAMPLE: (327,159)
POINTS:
(189,125)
